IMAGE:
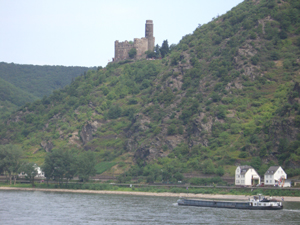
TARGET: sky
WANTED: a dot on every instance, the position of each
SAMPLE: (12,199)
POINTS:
(83,32)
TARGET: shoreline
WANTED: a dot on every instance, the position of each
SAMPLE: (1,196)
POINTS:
(161,194)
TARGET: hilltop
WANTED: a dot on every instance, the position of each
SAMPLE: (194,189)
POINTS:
(26,83)
(227,94)
(12,97)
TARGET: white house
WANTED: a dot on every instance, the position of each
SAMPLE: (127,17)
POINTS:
(275,175)
(40,173)
(246,175)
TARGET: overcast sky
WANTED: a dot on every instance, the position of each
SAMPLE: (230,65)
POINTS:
(82,32)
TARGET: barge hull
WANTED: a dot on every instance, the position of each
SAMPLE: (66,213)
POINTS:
(229,205)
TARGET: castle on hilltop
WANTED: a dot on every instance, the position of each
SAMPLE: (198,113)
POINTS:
(140,44)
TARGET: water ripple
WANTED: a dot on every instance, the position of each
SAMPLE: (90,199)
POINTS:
(21,207)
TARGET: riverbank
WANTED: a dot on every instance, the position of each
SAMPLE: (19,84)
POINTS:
(162,194)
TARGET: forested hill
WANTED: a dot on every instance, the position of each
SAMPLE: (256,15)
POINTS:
(228,94)
(39,80)
(12,97)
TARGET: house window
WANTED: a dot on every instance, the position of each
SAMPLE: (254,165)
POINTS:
(266,181)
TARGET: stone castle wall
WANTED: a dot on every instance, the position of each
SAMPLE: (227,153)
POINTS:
(122,49)
(140,44)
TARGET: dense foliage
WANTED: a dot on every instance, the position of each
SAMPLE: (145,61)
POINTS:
(60,165)
(39,80)
(10,160)
(11,98)
(20,84)
(227,94)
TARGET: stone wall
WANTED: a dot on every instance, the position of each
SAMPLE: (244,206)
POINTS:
(122,49)
(140,44)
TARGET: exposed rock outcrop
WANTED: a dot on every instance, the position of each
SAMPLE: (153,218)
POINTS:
(18,117)
(47,145)
(74,139)
(88,130)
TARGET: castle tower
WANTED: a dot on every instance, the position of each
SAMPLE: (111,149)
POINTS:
(149,34)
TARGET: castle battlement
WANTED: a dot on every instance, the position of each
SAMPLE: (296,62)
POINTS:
(140,44)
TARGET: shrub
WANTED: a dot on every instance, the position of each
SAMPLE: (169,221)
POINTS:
(132,101)
(172,129)
(132,53)
(243,155)
(254,60)
(114,112)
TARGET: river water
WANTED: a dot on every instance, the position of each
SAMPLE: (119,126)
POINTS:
(36,207)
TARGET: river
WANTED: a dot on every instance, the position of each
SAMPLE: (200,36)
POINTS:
(37,207)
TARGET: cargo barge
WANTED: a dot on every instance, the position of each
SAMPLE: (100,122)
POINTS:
(254,203)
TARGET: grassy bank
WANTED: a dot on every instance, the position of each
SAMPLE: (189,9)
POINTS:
(155,189)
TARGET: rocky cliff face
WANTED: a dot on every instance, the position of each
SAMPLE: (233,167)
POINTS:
(88,130)
(47,145)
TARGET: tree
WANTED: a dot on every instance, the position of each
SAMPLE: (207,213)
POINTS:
(58,164)
(220,171)
(172,129)
(157,51)
(10,160)
(30,170)
(114,112)
(150,54)
(132,53)
(85,165)
(164,50)
(208,167)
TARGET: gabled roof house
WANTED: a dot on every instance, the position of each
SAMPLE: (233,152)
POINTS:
(246,175)
(275,175)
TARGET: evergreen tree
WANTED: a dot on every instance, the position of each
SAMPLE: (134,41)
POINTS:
(164,50)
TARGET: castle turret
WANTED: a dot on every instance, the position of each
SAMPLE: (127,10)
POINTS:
(149,34)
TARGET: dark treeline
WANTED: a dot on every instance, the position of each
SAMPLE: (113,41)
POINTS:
(59,165)
(39,80)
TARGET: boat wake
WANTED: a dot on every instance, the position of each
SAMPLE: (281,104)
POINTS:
(175,204)
(292,210)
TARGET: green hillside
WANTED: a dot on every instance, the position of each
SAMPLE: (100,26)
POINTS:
(9,92)
(39,80)
(12,97)
(228,94)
